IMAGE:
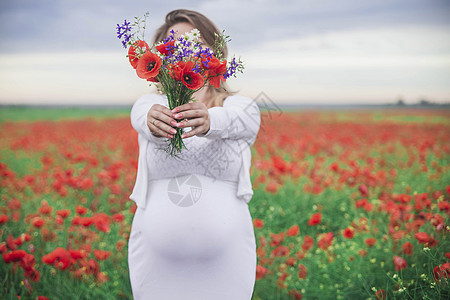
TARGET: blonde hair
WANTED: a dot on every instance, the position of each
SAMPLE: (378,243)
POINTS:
(207,30)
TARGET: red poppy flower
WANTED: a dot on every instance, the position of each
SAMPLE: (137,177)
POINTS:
(260,272)
(15,255)
(293,231)
(81,210)
(315,219)
(276,239)
(325,241)
(166,48)
(407,248)
(399,263)
(101,255)
(258,223)
(348,233)
(176,70)
(442,271)
(362,252)
(308,242)
(38,222)
(3,219)
(60,258)
(216,70)
(63,213)
(135,50)
(148,65)
(118,217)
(380,294)
(302,271)
(371,241)
(280,251)
(191,79)
(45,209)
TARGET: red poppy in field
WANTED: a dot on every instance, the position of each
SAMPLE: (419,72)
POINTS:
(276,239)
(444,206)
(45,209)
(363,190)
(279,164)
(380,294)
(399,263)
(442,271)
(135,50)
(91,266)
(293,231)
(3,247)
(148,65)
(118,217)
(362,252)
(260,272)
(102,277)
(59,258)
(361,203)
(407,248)
(447,255)
(63,213)
(78,253)
(22,238)
(120,244)
(258,223)
(348,233)
(3,219)
(14,256)
(101,255)
(191,79)
(295,294)
(308,242)
(371,241)
(81,210)
(38,222)
(325,241)
(302,271)
(315,219)
(280,251)
(272,187)
(426,239)
(290,261)
(102,221)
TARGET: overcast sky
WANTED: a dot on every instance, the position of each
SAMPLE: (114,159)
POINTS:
(315,51)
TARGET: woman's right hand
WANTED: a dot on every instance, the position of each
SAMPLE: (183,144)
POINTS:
(160,121)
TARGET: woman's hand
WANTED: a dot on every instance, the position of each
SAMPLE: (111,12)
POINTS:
(192,114)
(159,119)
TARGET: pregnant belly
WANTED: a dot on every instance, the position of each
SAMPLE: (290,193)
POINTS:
(193,217)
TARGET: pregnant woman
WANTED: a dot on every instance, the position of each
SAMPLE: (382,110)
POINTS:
(192,234)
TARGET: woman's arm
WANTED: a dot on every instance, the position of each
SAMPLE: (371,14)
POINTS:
(139,115)
(238,118)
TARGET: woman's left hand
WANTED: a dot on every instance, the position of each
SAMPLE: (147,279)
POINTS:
(197,116)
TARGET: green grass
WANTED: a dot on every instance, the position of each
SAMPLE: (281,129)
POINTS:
(34,114)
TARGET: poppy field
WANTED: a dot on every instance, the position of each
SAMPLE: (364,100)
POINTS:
(348,204)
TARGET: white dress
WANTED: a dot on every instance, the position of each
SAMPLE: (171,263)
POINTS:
(192,234)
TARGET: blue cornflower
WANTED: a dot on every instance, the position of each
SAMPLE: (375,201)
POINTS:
(123,32)
(206,63)
(196,69)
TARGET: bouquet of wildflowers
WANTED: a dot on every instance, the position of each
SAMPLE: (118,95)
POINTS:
(181,66)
